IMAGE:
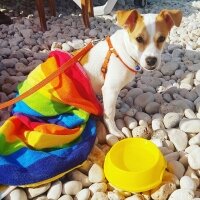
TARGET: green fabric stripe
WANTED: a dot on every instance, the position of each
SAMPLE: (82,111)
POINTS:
(9,148)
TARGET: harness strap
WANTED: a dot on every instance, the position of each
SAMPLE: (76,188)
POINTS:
(48,78)
(111,50)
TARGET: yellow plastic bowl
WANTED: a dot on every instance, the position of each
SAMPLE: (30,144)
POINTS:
(134,165)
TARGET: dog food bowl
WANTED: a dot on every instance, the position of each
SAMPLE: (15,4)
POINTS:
(134,165)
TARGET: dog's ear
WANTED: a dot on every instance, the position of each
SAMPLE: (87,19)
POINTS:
(171,17)
(127,18)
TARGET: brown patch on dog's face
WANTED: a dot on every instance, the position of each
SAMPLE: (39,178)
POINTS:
(165,20)
(133,22)
(161,32)
(140,36)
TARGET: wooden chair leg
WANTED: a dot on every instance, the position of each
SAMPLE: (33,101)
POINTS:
(91,10)
(40,8)
(52,6)
(85,15)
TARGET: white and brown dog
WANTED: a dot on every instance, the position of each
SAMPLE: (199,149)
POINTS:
(110,64)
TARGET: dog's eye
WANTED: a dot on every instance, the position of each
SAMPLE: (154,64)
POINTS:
(161,39)
(140,39)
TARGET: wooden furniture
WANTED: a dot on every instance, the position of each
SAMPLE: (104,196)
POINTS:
(41,13)
(85,5)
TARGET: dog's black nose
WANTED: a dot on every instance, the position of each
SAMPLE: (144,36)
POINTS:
(151,61)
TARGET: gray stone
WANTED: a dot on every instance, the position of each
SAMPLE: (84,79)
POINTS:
(169,68)
(143,99)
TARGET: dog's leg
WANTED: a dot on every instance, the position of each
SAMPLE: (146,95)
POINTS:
(110,95)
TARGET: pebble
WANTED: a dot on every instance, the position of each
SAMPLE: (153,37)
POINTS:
(194,159)
(190,125)
(163,191)
(152,108)
(98,187)
(101,132)
(72,187)
(169,68)
(76,175)
(111,139)
(55,190)
(176,168)
(17,194)
(182,194)
(65,197)
(83,195)
(96,174)
(195,140)
(34,192)
(99,196)
(189,113)
(143,116)
(130,122)
(178,138)
(143,99)
(172,119)
(141,131)
(187,182)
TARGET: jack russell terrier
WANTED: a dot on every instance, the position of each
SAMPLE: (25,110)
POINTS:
(111,64)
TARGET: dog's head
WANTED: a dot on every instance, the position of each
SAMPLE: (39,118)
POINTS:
(146,34)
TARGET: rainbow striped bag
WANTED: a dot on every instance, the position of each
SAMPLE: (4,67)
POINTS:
(52,131)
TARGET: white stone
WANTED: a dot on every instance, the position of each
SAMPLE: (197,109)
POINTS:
(190,148)
(72,187)
(55,190)
(98,187)
(157,142)
(17,194)
(111,139)
(197,76)
(99,196)
(182,194)
(115,195)
(141,131)
(163,191)
(176,168)
(194,159)
(187,182)
(34,192)
(136,197)
(96,174)
(159,134)
(190,125)
(178,138)
(172,119)
(126,132)
(83,195)
(189,113)
(76,175)
(66,47)
(65,197)
(195,140)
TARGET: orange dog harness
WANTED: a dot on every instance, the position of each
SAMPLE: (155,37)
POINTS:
(111,50)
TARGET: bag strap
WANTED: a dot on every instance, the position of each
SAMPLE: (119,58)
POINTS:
(49,78)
